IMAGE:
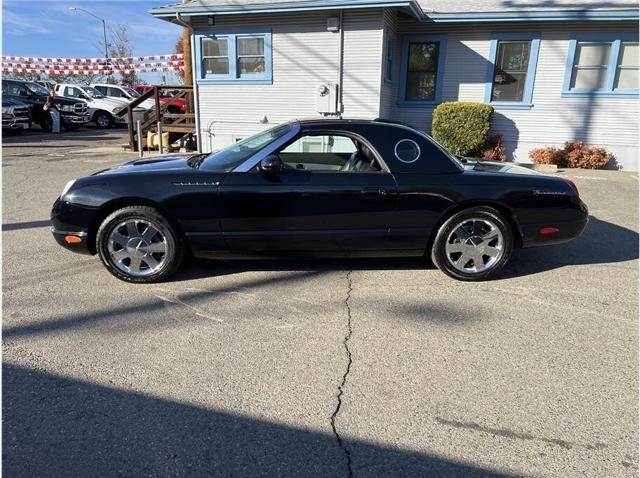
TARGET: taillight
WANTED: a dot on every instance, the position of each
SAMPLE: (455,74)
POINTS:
(573,186)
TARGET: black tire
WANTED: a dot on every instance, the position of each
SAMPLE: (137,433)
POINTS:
(173,240)
(482,215)
(103,119)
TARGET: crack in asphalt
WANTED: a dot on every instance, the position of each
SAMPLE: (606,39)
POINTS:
(345,342)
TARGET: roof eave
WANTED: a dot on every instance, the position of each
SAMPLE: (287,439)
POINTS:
(168,13)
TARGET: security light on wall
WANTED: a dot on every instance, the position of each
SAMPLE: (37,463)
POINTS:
(333,24)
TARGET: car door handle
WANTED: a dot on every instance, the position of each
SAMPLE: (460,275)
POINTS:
(373,192)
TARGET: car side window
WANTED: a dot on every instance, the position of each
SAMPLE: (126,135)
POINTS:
(328,153)
(71,92)
(101,89)
(16,89)
(115,92)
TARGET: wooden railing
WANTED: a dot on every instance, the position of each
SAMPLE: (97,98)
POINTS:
(179,123)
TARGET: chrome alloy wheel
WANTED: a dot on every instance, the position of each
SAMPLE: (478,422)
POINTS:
(474,245)
(137,247)
(103,121)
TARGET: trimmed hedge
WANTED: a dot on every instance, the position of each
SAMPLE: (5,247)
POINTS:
(462,127)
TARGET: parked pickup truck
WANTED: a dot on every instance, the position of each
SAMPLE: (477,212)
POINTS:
(123,93)
(178,106)
(101,109)
(16,116)
(73,112)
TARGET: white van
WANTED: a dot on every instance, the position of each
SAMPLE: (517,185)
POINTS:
(101,109)
(125,93)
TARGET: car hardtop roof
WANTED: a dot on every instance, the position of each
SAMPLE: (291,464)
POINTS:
(351,121)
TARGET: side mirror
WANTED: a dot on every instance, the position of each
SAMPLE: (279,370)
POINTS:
(271,163)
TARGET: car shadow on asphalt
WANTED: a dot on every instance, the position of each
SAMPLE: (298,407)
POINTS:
(58,426)
(602,242)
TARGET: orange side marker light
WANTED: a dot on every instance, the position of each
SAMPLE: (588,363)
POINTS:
(72,239)
(545,231)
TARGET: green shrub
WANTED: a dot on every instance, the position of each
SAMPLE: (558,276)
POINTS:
(462,127)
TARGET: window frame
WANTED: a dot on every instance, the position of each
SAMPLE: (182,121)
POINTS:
(442,54)
(301,133)
(390,45)
(234,76)
(527,97)
(616,40)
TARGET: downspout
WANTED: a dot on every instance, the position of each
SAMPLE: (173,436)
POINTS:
(196,97)
(340,66)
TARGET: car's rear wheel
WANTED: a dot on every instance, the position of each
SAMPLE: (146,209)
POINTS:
(103,119)
(138,244)
(473,244)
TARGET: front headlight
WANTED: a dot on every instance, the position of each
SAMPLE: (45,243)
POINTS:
(6,110)
(67,108)
(116,109)
(67,187)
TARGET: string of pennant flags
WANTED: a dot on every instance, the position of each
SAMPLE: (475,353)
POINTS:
(87,66)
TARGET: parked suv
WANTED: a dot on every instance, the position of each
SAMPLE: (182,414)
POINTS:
(101,109)
(16,116)
(123,93)
(73,112)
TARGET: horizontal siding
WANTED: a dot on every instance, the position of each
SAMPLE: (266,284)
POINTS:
(305,55)
(610,122)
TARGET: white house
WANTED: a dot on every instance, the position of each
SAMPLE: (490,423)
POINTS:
(554,70)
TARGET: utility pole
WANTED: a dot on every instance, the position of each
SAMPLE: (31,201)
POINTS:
(104,30)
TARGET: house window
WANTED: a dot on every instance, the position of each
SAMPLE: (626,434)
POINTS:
(251,56)
(422,70)
(510,72)
(601,65)
(234,57)
(627,67)
(215,56)
(388,71)
(590,66)
(512,69)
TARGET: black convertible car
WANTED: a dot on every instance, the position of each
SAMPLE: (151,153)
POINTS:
(351,188)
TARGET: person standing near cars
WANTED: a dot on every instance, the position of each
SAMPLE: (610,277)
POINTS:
(52,107)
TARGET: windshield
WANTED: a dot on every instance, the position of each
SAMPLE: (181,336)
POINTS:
(233,156)
(92,92)
(37,89)
(131,91)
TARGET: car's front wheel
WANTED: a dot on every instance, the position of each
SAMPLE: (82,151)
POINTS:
(473,244)
(103,119)
(138,244)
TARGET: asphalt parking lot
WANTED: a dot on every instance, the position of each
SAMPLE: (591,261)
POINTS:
(314,368)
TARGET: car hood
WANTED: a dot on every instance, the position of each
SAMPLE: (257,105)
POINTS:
(160,163)
(108,103)
(12,102)
(65,100)
(496,167)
